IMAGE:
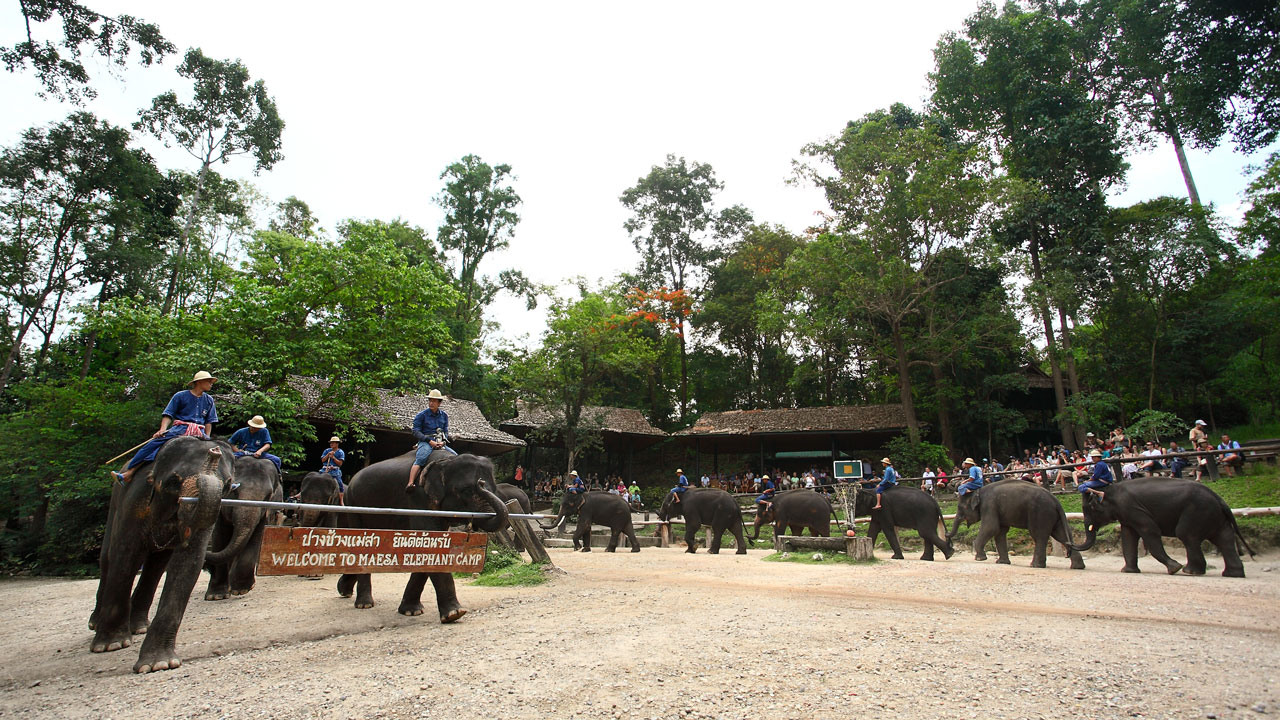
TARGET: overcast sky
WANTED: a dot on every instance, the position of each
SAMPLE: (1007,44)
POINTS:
(580,99)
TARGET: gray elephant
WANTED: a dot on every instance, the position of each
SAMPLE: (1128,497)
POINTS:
(794,510)
(1013,503)
(459,482)
(1151,508)
(905,507)
(148,529)
(318,489)
(597,508)
(237,534)
(706,506)
(509,492)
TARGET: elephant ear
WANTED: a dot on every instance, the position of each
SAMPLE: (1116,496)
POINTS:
(434,484)
(976,503)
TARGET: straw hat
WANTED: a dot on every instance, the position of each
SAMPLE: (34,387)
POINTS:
(257,422)
(1095,453)
(679,471)
(335,439)
(573,473)
(968,461)
(764,477)
(886,461)
(202,375)
(435,395)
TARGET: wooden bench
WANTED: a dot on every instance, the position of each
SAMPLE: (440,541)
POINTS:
(857,548)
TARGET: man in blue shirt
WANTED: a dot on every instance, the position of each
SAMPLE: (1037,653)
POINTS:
(766,496)
(254,440)
(189,412)
(1233,461)
(331,461)
(575,484)
(431,427)
(975,480)
(890,479)
(682,484)
(1099,479)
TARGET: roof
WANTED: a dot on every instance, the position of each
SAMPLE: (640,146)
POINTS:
(623,421)
(395,411)
(1037,378)
(838,418)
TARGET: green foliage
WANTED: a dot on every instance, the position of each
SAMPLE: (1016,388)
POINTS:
(1092,410)
(805,557)
(1152,424)
(505,567)
(910,459)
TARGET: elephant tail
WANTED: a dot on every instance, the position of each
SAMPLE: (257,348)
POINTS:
(1239,535)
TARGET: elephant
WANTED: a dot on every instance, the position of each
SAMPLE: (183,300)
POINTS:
(318,489)
(1012,503)
(457,482)
(509,492)
(238,531)
(597,508)
(1150,508)
(148,529)
(906,507)
(706,506)
(796,510)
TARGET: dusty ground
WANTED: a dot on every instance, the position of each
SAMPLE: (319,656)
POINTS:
(662,634)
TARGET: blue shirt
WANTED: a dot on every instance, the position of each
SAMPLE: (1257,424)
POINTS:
(1102,471)
(188,408)
(426,423)
(327,465)
(249,439)
(769,486)
(890,475)
(975,475)
(682,481)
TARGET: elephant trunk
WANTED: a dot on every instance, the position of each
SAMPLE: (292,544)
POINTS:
(555,523)
(1090,537)
(243,520)
(499,520)
(206,486)
(955,528)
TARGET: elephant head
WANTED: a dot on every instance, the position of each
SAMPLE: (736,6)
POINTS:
(863,501)
(570,504)
(670,508)
(1098,512)
(193,468)
(317,489)
(257,479)
(968,510)
(462,483)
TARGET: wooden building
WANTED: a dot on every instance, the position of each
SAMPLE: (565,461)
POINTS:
(623,431)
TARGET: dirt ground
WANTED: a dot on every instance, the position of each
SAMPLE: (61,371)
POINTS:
(663,634)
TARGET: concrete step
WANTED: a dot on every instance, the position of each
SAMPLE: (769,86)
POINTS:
(599,542)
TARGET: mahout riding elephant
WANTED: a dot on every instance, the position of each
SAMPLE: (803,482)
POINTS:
(793,511)
(148,529)
(597,508)
(237,534)
(318,489)
(906,507)
(1012,503)
(1150,508)
(706,506)
(509,492)
(458,482)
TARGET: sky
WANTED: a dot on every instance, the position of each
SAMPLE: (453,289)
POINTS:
(581,99)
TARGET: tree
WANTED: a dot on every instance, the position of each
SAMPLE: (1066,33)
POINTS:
(902,190)
(72,199)
(228,116)
(676,229)
(58,64)
(587,340)
(294,217)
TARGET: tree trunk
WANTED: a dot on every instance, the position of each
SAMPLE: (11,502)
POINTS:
(1073,379)
(1055,372)
(684,374)
(172,291)
(15,351)
(944,409)
(904,385)
(1159,97)
(1151,376)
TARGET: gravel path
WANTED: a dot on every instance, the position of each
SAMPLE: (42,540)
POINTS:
(663,634)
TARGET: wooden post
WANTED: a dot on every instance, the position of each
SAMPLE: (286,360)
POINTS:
(532,543)
(664,535)
(1212,467)
(859,548)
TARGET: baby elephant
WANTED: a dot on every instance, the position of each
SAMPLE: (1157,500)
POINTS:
(597,508)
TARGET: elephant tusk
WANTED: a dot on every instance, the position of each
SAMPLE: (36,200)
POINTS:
(1090,528)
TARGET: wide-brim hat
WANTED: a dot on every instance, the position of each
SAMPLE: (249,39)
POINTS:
(764,477)
(886,461)
(1095,453)
(679,471)
(968,461)
(573,473)
(335,439)
(257,422)
(202,375)
(435,395)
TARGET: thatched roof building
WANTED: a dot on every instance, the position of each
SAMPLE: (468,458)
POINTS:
(620,426)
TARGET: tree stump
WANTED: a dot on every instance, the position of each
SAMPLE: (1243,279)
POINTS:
(532,543)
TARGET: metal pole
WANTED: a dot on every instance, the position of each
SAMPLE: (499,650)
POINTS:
(357,510)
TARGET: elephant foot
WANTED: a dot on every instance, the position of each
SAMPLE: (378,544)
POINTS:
(691,551)
(110,642)
(613,548)
(927,558)
(410,609)
(93,620)
(164,659)
(346,585)
(364,603)
(139,626)
(980,558)
(714,551)
(1233,572)
(896,556)
(1039,564)
(1173,567)
(948,553)
(1003,561)
(635,548)
(240,591)
(1129,569)
(586,549)
(741,551)
(219,595)
(452,616)
(1077,563)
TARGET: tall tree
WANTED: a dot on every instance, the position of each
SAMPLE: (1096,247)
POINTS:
(677,231)
(228,116)
(57,63)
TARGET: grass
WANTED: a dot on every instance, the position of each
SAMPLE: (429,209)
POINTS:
(806,558)
(504,567)
(1255,431)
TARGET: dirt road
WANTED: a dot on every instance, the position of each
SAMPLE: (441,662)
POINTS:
(662,634)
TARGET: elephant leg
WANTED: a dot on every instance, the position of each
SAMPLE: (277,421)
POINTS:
(1196,563)
(145,591)
(1129,548)
(364,591)
(691,536)
(245,565)
(740,536)
(218,574)
(985,532)
(631,535)
(873,531)
(1039,556)
(447,598)
(159,651)
(891,535)
(928,544)
(411,601)
(615,533)
(583,533)
(1002,546)
(346,584)
(110,619)
(715,531)
(1155,547)
(1225,541)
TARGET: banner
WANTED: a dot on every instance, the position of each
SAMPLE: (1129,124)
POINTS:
(325,551)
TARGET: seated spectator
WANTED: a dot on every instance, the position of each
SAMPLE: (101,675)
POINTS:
(1234,462)
(1151,465)
(926,480)
(942,478)
(1202,462)
(1176,465)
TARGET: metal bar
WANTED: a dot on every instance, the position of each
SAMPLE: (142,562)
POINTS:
(357,510)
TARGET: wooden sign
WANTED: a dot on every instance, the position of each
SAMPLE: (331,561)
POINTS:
(326,551)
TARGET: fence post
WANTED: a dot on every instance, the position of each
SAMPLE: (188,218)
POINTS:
(532,543)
